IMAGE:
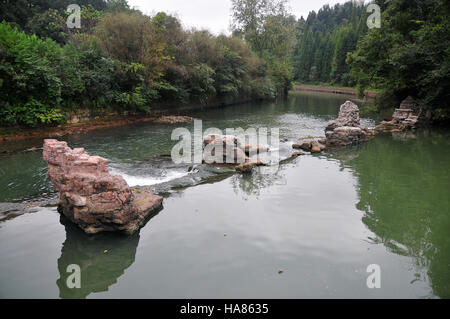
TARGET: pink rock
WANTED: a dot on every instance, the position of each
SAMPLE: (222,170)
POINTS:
(90,196)
(346,129)
(228,149)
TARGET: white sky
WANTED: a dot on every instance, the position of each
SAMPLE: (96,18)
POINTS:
(215,14)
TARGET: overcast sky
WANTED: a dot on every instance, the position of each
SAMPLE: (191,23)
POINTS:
(215,14)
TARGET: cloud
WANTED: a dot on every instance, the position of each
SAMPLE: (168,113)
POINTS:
(215,14)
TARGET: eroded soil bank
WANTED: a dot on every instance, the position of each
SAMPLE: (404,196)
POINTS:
(329,89)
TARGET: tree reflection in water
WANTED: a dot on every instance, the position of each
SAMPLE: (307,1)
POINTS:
(403,187)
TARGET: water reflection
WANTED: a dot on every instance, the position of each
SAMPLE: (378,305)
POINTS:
(251,185)
(403,187)
(103,258)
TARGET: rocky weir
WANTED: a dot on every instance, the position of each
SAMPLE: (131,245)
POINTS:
(91,197)
(347,130)
(98,201)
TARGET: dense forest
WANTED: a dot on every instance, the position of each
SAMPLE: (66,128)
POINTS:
(124,61)
(409,55)
(326,38)
(119,60)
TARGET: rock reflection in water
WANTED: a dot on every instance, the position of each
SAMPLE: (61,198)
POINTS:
(103,258)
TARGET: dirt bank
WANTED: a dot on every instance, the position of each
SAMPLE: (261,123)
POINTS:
(329,89)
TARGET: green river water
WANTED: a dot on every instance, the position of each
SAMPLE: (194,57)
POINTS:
(320,219)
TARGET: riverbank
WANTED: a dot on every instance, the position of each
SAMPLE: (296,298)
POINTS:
(335,90)
(84,122)
(15,139)
(20,133)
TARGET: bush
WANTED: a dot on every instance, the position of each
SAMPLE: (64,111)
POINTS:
(30,90)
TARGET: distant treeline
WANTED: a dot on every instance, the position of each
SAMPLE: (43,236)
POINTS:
(120,60)
(326,38)
(408,56)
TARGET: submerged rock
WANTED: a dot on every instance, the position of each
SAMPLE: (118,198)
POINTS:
(346,129)
(301,145)
(403,118)
(90,196)
(313,146)
(316,147)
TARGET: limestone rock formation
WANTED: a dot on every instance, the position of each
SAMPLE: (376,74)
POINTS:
(403,118)
(346,129)
(91,197)
(348,116)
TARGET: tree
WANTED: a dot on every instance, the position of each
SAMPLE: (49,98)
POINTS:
(30,90)
(326,39)
(49,24)
(409,55)
(271,31)
(132,38)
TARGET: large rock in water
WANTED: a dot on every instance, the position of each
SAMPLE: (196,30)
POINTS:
(91,197)
(228,149)
(348,116)
(403,118)
(346,129)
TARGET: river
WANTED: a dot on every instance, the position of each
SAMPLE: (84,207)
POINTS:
(309,230)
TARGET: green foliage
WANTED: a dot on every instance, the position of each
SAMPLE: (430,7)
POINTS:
(409,55)
(271,32)
(30,88)
(325,40)
(120,60)
(49,24)
(20,12)
(132,38)
(202,83)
